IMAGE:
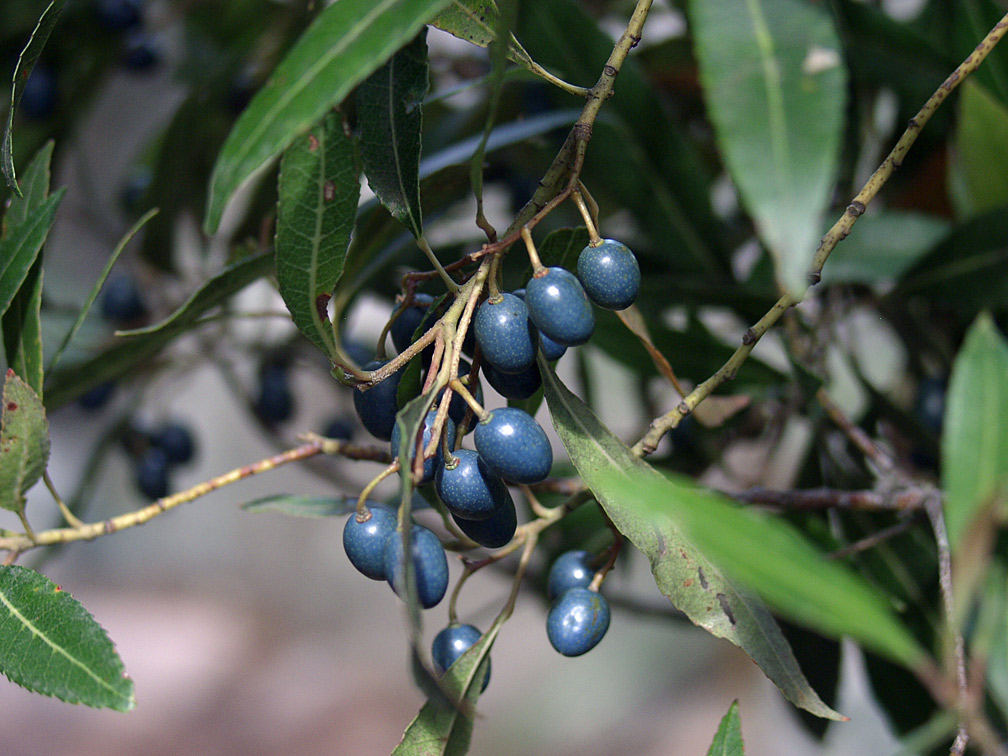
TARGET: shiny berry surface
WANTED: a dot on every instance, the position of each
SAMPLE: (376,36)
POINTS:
(364,542)
(514,445)
(451,643)
(493,532)
(430,566)
(151,473)
(504,334)
(572,569)
(514,386)
(177,442)
(559,308)
(377,406)
(577,621)
(609,274)
(469,487)
(430,464)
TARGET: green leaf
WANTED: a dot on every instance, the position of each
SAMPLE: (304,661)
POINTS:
(475,21)
(562,247)
(34,189)
(318,193)
(23,69)
(303,506)
(728,739)
(775,84)
(22,329)
(141,345)
(975,441)
(883,246)
(19,249)
(389,118)
(53,646)
(979,171)
(347,42)
(24,442)
(444,729)
(685,531)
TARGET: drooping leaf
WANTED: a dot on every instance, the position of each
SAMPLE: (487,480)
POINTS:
(475,21)
(685,531)
(979,173)
(347,42)
(53,646)
(22,329)
(318,193)
(143,344)
(303,506)
(728,739)
(443,728)
(23,69)
(975,439)
(34,189)
(389,118)
(775,85)
(19,249)
(24,442)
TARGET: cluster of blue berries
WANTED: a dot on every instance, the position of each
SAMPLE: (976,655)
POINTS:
(141,51)
(579,616)
(156,452)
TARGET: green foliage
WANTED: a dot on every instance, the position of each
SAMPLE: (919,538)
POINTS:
(977,182)
(24,442)
(728,739)
(303,506)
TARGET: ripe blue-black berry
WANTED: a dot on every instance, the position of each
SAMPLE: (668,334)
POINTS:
(177,442)
(572,569)
(405,325)
(134,189)
(495,531)
(930,403)
(151,473)
(121,301)
(274,401)
(119,15)
(609,274)
(364,542)
(339,428)
(558,306)
(469,487)
(514,386)
(432,463)
(38,98)
(514,445)
(552,350)
(359,352)
(96,397)
(577,621)
(430,566)
(505,336)
(377,406)
(451,643)
(142,52)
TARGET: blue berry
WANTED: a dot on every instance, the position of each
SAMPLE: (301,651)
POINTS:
(577,622)
(274,402)
(177,442)
(514,386)
(451,643)
(609,274)
(514,445)
(558,306)
(430,566)
(96,397)
(930,403)
(552,350)
(134,189)
(339,429)
(151,473)
(121,300)
(364,542)
(360,353)
(142,52)
(469,488)
(38,98)
(406,324)
(119,15)
(505,335)
(496,530)
(572,569)
(432,463)
(377,406)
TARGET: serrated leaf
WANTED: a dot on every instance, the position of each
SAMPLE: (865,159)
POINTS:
(389,119)
(140,345)
(23,69)
(728,739)
(685,531)
(34,189)
(775,85)
(444,729)
(979,172)
(475,21)
(24,442)
(22,329)
(53,646)
(304,506)
(348,41)
(19,249)
(975,439)
(318,193)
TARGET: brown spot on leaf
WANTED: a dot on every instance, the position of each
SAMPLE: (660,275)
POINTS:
(11,406)
(322,307)
(703,578)
(329,191)
(313,143)
(687,583)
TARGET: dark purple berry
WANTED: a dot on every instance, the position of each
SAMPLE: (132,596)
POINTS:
(409,320)
(151,473)
(339,429)
(577,621)
(572,569)
(609,274)
(493,532)
(552,350)
(274,401)
(469,487)
(377,407)
(514,386)
(177,442)
(430,566)
(451,643)
(514,445)
(505,336)
(364,542)
(121,301)
(96,397)
(142,52)
(558,306)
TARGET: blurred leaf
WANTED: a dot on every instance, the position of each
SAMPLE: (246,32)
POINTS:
(139,346)
(21,246)
(562,247)
(389,120)
(319,187)
(882,246)
(774,81)
(629,491)
(979,172)
(975,441)
(444,729)
(304,506)
(34,189)
(347,42)
(728,739)
(53,646)
(475,21)
(23,69)
(971,21)
(22,329)
(24,442)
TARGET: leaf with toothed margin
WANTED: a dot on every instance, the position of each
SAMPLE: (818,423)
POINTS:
(476,21)
(728,739)
(24,442)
